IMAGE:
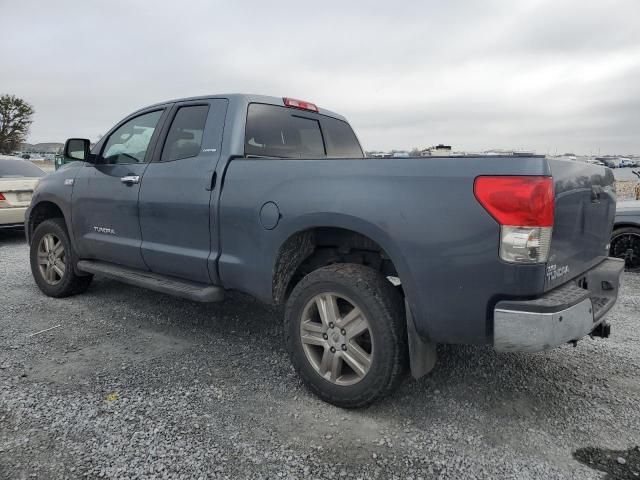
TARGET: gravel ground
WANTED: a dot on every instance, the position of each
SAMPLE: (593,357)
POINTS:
(134,384)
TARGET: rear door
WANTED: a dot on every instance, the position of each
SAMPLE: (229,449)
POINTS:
(105,194)
(176,221)
(584,212)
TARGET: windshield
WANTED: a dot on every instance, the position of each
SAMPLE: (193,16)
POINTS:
(19,169)
(282,132)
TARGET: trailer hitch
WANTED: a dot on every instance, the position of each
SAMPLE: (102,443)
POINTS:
(602,330)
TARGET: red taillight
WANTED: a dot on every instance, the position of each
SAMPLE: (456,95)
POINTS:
(2,197)
(292,102)
(525,201)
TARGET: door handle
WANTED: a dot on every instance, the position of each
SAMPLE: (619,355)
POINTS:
(130,179)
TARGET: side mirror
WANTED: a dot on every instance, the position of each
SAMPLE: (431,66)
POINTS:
(77,149)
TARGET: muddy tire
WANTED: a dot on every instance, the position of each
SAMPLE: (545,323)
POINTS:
(346,334)
(51,257)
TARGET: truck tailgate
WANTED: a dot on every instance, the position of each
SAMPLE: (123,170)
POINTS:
(584,212)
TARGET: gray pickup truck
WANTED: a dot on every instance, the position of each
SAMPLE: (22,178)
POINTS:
(375,260)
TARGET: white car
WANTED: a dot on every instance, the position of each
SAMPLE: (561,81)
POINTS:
(627,162)
(18,179)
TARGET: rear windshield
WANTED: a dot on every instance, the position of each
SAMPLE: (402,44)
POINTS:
(19,169)
(283,132)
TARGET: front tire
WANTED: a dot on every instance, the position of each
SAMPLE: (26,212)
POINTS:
(51,261)
(346,334)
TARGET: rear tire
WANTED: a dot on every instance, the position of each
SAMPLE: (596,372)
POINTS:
(51,261)
(625,244)
(357,354)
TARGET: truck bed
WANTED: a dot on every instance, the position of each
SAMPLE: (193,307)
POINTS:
(422,211)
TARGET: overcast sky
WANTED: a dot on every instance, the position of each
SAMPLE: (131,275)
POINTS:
(545,75)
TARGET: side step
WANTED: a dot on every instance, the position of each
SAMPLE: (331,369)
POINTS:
(199,292)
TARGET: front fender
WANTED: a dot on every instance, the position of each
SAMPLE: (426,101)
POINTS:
(55,189)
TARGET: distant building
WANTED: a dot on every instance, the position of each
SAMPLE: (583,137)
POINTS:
(42,148)
(439,150)
(510,153)
(400,154)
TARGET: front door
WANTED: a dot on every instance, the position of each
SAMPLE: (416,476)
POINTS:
(105,194)
(176,218)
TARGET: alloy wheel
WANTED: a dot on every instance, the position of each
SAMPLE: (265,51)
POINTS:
(51,259)
(627,247)
(336,338)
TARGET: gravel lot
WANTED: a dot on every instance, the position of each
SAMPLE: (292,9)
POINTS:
(134,384)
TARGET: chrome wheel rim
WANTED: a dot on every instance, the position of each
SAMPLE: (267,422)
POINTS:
(51,259)
(627,247)
(336,338)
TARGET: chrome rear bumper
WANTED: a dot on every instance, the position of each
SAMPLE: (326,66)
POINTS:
(564,314)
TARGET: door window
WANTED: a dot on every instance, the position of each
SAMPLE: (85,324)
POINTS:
(185,135)
(130,142)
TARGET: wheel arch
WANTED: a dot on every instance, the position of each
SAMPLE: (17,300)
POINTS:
(41,211)
(319,245)
(625,224)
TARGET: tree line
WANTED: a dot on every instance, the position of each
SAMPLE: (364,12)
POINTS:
(16,116)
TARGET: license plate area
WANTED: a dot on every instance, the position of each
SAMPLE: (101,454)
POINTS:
(23,196)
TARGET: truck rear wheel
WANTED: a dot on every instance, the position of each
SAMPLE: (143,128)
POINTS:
(50,257)
(346,334)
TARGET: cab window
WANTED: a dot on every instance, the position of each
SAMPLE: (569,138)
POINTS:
(185,135)
(340,139)
(130,142)
(280,132)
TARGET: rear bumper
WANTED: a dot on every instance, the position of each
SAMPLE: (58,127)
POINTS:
(566,313)
(12,217)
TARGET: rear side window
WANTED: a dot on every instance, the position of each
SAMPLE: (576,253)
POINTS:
(340,139)
(282,132)
(19,169)
(185,135)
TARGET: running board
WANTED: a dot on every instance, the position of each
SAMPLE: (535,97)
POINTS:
(199,292)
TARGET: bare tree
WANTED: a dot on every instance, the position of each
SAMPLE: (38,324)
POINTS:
(15,120)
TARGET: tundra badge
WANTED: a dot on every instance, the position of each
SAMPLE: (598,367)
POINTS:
(555,272)
(110,231)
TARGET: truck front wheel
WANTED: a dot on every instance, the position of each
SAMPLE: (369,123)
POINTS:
(346,334)
(51,261)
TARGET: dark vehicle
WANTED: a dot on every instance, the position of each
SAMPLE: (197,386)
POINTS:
(625,239)
(376,260)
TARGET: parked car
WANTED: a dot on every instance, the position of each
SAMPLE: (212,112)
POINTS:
(376,261)
(625,239)
(613,163)
(18,178)
(627,162)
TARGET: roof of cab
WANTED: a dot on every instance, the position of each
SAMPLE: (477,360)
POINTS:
(246,98)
